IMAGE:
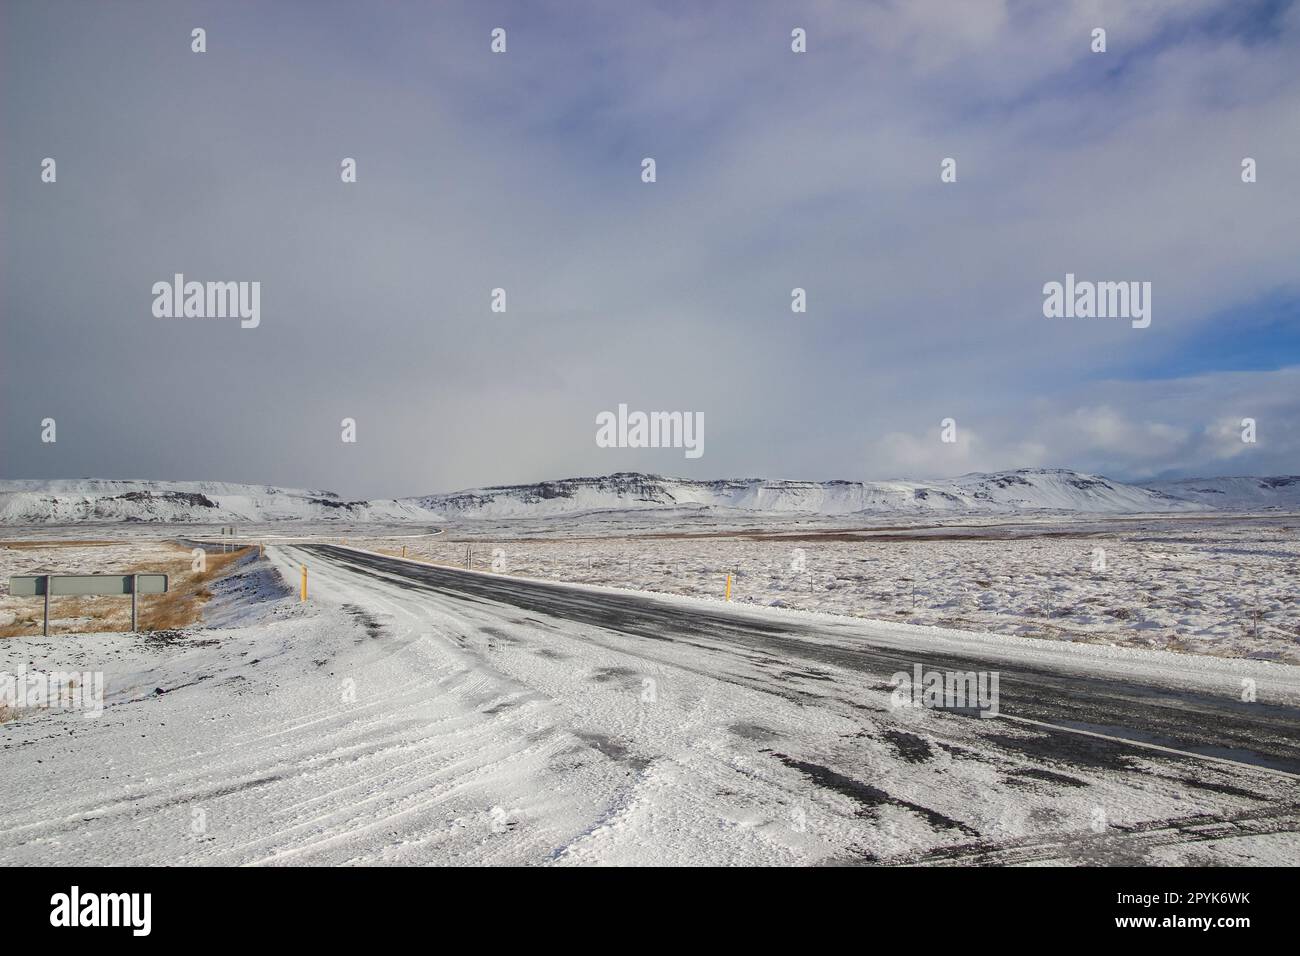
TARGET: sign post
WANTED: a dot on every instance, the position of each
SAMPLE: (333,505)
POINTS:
(96,585)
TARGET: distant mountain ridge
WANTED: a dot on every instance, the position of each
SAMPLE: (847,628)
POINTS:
(1235,493)
(73,501)
(1025,490)
(1011,491)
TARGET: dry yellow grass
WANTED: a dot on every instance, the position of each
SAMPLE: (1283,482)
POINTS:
(181,606)
(32,545)
(186,594)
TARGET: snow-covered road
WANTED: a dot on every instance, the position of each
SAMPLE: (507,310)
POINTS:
(416,714)
(769,736)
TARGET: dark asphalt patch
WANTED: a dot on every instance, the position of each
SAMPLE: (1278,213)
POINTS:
(363,617)
(754,732)
(868,797)
(1196,782)
(497,635)
(1092,752)
(611,748)
(624,675)
(808,675)
(1050,776)
(912,748)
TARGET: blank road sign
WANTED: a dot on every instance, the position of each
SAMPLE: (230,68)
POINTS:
(90,584)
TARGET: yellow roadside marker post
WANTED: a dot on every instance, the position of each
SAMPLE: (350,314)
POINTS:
(304,582)
(728,597)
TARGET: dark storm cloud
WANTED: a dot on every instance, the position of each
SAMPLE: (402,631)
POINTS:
(521,171)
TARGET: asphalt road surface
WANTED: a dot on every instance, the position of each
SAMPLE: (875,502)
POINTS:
(1261,734)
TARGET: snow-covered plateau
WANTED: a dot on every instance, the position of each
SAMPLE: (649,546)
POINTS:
(1023,491)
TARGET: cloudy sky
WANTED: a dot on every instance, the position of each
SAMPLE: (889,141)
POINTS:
(522,171)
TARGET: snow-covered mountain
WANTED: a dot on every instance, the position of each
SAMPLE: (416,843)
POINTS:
(182,502)
(1008,492)
(1235,493)
(1012,491)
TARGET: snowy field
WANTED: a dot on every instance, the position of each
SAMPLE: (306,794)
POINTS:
(378,724)
(1218,585)
(1221,586)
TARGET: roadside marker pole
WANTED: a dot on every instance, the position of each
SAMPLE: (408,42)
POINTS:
(403,550)
(304,582)
(728,587)
(135,582)
(45,630)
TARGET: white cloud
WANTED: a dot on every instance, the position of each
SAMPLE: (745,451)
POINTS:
(1184,426)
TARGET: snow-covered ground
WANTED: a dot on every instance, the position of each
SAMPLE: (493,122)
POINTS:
(376,724)
(1228,587)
